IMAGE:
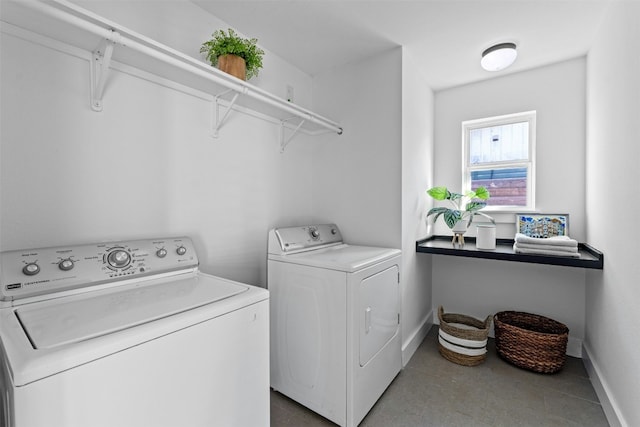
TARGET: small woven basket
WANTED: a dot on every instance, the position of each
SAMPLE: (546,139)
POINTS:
(531,341)
(463,339)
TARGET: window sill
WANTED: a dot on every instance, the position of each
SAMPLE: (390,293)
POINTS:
(441,245)
(513,210)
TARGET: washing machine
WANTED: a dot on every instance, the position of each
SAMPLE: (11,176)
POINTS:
(129,334)
(334,319)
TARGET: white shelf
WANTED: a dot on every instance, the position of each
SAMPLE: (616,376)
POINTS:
(108,41)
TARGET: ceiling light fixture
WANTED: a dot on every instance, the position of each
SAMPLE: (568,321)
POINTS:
(499,57)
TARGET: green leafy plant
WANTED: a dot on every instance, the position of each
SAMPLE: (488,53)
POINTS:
(465,206)
(230,43)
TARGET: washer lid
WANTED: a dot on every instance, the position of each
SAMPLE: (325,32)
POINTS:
(343,257)
(60,323)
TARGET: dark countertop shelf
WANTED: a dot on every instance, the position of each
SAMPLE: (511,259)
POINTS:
(441,245)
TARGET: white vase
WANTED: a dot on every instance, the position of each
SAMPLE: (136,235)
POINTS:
(460,227)
(485,236)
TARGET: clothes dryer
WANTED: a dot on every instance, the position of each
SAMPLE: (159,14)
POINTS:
(335,320)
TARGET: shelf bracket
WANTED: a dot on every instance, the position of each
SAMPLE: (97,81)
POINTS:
(219,121)
(100,68)
(284,142)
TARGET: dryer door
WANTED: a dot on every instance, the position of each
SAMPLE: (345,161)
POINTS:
(379,312)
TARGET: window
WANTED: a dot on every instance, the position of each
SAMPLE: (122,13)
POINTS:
(499,153)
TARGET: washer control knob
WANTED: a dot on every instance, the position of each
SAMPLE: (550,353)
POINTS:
(315,233)
(31,269)
(161,253)
(181,250)
(66,264)
(119,258)
(334,231)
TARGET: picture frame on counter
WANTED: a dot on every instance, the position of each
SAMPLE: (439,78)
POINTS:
(542,225)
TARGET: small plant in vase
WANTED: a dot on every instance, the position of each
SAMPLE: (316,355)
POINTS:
(233,54)
(465,208)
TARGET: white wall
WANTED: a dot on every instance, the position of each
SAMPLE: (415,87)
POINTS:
(613,296)
(557,93)
(417,176)
(371,180)
(146,165)
(184,26)
(357,177)
(482,287)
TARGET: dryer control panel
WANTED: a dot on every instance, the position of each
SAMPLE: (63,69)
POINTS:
(296,239)
(31,272)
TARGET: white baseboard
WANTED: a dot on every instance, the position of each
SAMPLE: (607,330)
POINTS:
(574,347)
(414,341)
(609,406)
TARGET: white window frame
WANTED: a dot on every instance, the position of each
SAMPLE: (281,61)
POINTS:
(530,163)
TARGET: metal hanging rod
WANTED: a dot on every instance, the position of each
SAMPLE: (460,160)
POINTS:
(115,34)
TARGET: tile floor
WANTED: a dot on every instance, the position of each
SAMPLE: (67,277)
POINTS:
(433,392)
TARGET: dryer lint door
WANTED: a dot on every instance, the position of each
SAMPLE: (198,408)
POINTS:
(379,312)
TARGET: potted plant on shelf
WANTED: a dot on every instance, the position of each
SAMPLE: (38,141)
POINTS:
(233,54)
(465,208)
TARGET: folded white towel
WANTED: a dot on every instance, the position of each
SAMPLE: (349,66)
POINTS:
(547,247)
(528,251)
(556,240)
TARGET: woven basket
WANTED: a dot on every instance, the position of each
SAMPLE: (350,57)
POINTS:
(530,341)
(463,339)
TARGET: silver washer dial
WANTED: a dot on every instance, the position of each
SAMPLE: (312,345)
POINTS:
(66,264)
(119,258)
(161,253)
(181,250)
(31,269)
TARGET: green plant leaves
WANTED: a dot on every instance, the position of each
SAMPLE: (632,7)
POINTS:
(437,212)
(474,206)
(438,193)
(452,216)
(482,193)
(223,43)
(455,197)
